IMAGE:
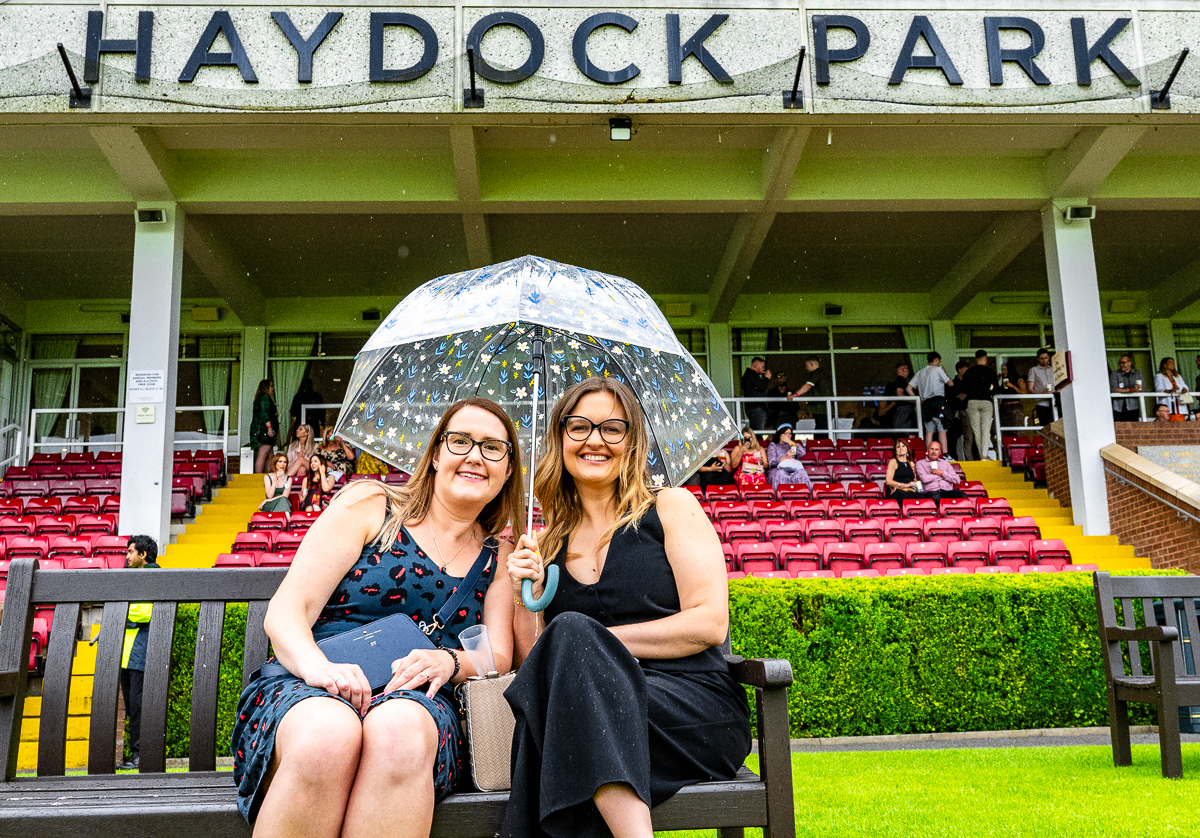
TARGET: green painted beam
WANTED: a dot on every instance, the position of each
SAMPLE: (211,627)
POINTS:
(1153,177)
(62,176)
(929,179)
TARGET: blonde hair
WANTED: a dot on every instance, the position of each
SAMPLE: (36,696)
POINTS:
(755,445)
(410,502)
(308,448)
(555,487)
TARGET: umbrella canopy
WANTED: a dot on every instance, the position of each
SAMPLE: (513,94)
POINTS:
(474,334)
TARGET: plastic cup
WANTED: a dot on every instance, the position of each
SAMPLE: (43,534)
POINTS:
(478,646)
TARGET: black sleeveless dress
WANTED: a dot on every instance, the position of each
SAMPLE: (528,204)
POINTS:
(903,474)
(589,713)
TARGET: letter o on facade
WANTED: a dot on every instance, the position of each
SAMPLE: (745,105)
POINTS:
(537,47)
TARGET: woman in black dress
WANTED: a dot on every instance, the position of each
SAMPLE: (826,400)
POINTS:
(316,754)
(901,481)
(624,697)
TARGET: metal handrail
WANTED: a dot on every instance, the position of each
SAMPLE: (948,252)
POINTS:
(18,448)
(1040,397)
(69,440)
(735,407)
(1142,396)
(304,412)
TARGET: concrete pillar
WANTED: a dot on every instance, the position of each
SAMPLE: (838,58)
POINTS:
(720,358)
(1162,345)
(150,379)
(945,344)
(1079,329)
(254,370)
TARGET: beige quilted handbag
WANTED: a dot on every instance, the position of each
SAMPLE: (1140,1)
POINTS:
(488,722)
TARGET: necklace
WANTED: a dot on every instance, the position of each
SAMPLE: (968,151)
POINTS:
(442,563)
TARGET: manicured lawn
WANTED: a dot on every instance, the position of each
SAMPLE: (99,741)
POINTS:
(1059,792)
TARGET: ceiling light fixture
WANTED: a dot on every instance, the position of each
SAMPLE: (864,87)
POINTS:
(620,129)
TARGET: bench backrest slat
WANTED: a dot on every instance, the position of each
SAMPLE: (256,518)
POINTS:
(102,735)
(202,753)
(1176,596)
(1193,633)
(257,643)
(1130,615)
(56,690)
(14,658)
(1170,618)
(152,750)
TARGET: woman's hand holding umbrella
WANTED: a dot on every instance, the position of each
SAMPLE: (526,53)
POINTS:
(525,565)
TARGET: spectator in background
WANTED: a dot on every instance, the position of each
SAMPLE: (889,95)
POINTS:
(300,452)
(816,385)
(980,383)
(938,477)
(264,423)
(140,552)
(930,384)
(1170,381)
(277,485)
(901,481)
(714,472)
(783,460)
(1125,379)
(956,408)
(317,488)
(898,415)
(779,412)
(1041,383)
(1012,411)
(755,380)
(314,418)
(340,455)
(749,461)
(1162,413)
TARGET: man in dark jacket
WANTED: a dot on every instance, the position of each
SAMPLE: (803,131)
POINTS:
(755,381)
(981,383)
(141,551)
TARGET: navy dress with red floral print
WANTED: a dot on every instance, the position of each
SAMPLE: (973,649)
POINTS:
(399,580)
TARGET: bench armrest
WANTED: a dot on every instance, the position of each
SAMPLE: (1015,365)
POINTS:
(1149,633)
(764,673)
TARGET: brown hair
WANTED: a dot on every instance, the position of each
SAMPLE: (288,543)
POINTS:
(555,487)
(263,387)
(274,460)
(908,454)
(410,502)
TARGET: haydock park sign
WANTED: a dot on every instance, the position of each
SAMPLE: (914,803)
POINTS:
(740,59)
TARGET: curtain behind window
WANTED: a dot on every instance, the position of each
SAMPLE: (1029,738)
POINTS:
(51,386)
(916,339)
(287,375)
(214,378)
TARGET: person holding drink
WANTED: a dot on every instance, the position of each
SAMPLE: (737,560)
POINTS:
(624,697)
(315,754)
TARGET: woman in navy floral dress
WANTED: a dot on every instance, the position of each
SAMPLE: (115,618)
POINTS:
(316,754)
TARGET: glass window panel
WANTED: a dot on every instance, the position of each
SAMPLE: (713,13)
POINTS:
(804,339)
(333,343)
(187,394)
(868,337)
(1127,337)
(750,340)
(87,346)
(1000,336)
(330,376)
(1187,335)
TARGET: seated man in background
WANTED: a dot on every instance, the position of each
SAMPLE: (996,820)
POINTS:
(938,477)
(1162,413)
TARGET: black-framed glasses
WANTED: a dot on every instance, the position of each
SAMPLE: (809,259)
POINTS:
(460,444)
(579,428)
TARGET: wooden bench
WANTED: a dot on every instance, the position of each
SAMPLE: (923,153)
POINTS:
(1168,605)
(202,801)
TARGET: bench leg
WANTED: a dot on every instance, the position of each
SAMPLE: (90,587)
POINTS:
(1168,740)
(1118,727)
(732,832)
(775,762)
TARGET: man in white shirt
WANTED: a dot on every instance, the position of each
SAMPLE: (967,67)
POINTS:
(1041,383)
(930,384)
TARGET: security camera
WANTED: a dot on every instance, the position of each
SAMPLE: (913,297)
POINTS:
(151,216)
(1083,213)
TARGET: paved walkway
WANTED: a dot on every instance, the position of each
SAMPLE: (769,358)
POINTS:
(1139,735)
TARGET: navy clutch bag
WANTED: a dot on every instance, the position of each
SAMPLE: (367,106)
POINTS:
(375,646)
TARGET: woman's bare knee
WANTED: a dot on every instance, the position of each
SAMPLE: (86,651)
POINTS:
(321,738)
(400,739)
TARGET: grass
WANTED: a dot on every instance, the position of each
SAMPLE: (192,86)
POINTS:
(1057,792)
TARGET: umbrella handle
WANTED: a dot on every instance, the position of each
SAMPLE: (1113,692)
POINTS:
(536,605)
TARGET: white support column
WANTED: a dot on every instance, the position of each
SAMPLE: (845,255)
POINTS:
(1079,329)
(153,348)
(254,370)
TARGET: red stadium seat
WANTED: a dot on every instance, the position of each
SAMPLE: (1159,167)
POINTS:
(234,560)
(828,491)
(968,554)
(753,556)
(848,473)
(795,491)
(399,478)
(973,489)
(110,545)
(20,472)
(12,506)
(253,542)
(743,531)
(816,574)
(902,531)
(49,525)
(78,457)
(882,508)
(865,491)
(783,530)
(11,525)
(1024,528)
(876,471)
(764,510)
(986,530)
(86,563)
(845,509)
(181,503)
(81,505)
(958,507)
(919,508)
(862,456)
(1084,568)
(277,521)
(1011,554)
(66,488)
(102,524)
(840,556)
(861,573)
(941,530)
(757,493)
(869,531)
(102,486)
(26,547)
(822,531)
(43,506)
(275,559)
(730,575)
(110,505)
(771,574)
(301,521)
(695,490)
(997,507)
(957,571)
(884,557)
(722,492)
(287,542)
(727,550)
(881,442)
(925,554)
(800,557)
(730,510)
(1050,551)
(994,569)
(1037,568)
(804,509)
(820,443)
(908,571)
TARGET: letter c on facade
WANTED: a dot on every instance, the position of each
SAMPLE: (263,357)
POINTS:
(579,48)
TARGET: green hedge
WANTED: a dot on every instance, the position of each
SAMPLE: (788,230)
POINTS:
(907,655)
(924,654)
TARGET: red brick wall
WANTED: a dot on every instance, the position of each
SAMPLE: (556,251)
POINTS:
(1155,530)
(1057,482)
(1132,434)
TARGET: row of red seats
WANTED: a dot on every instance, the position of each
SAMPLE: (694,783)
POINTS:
(871,573)
(267,541)
(844,555)
(869,508)
(280,521)
(68,561)
(274,559)
(46,525)
(26,487)
(107,469)
(43,457)
(834,488)
(60,505)
(877,530)
(859,442)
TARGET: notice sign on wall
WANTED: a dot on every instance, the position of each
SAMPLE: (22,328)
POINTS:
(146,386)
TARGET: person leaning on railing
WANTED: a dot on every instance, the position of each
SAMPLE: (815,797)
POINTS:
(1126,379)
(1170,381)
